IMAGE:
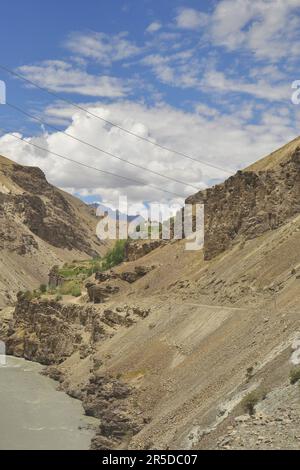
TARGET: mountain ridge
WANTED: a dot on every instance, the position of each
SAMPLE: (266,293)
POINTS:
(42,223)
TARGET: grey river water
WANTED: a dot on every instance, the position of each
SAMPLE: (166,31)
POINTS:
(33,415)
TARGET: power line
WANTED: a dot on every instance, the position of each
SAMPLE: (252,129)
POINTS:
(95,147)
(145,139)
(132,180)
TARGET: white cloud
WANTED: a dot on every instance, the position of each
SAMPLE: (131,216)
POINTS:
(61,76)
(267,28)
(153,27)
(189,18)
(185,71)
(260,88)
(222,139)
(104,48)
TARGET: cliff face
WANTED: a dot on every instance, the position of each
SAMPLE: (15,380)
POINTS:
(40,226)
(46,211)
(49,332)
(250,203)
(53,333)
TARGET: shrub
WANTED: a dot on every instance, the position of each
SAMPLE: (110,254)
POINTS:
(82,270)
(43,288)
(36,294)
(294,375)
(76,291)
(249,401)
(58,297)
(28,295)
(70,288)
(249,373)
(114,256)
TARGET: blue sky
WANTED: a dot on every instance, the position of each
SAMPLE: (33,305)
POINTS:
(211,79)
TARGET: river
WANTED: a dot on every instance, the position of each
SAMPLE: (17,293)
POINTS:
(34,415)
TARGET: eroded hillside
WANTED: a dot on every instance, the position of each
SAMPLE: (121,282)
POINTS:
(167,349)
(39,226)
(258,199)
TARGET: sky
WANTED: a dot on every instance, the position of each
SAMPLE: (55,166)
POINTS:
(209,79)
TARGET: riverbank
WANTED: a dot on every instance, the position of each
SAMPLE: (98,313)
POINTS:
(36,415)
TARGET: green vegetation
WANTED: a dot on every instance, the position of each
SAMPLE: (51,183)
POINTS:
(249,401)
(43,288)
(36,294)
(70,288)
(75,273)
(114,256)
(294,375)
(28,295)
(80,269)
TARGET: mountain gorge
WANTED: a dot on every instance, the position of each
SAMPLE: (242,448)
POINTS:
(168,349)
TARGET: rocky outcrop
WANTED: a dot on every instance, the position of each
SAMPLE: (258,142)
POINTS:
(133,276)
(248,204)
(50,332)
(47,331)
(99,294)
(55,279)
(128,276)
(105,276)
(45,211)
(139,248)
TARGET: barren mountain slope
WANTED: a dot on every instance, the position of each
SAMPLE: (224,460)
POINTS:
(166,360)
(253,201)
(276,158)
(39,226)
(180,340)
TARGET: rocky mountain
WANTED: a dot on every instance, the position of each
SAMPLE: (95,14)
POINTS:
(39,226)
(258,199)
(180,349)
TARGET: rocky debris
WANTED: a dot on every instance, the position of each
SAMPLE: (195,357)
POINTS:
(126,315)
(139,271)
(128,276)
(28,245)
(112,318)
(138,248)
(105,276)
(275,425)
(106,398)
(140,312)
(246,204)
(99,294)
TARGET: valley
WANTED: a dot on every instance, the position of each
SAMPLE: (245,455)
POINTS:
(169,348)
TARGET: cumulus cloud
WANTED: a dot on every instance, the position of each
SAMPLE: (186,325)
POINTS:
(267,28)
(61,76)
(189,18)
(238,75)
(220,139)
